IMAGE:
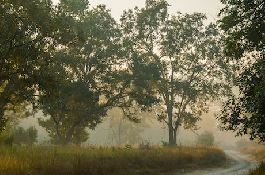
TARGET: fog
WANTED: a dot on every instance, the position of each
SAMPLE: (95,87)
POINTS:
(149,130)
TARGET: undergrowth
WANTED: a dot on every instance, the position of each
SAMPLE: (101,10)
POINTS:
(42,160)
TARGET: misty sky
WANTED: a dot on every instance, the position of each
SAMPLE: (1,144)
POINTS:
(210,7)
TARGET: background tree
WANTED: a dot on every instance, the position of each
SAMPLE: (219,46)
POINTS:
(180,61)
(126,125)
(205,138)
(244,26)
(32,133)
(22,136)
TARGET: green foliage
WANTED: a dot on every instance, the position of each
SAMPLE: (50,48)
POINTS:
(6,139)
(74,63)
(30,33)
(176,59)
(58,132)
(243,23)
(165,144)
(22,136)
(89,80)
(32,133)
(206,138)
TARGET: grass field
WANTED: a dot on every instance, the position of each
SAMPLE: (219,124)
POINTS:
(42,160)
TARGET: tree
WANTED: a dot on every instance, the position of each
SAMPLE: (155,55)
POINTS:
(18,41)
(32,133)
(244,26)
(65,108)
(22,136)
(126,125)
(178,60)
(30,32)
(90,78)
(206,138)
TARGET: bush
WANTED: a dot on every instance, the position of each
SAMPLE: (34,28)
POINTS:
(6,139)
(165,144)
(206,138)
(259,170)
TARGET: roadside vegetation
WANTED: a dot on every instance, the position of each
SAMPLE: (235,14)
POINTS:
(258,154)
(259,170)
(20,160)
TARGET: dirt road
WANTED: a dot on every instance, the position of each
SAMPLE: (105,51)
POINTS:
(239,164)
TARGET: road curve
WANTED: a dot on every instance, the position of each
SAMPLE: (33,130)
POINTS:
(242,165)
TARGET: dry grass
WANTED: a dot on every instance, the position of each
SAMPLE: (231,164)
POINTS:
(42,160)
(258,154)
(259,170)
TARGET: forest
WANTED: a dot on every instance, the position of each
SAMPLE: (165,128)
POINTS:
(75,63)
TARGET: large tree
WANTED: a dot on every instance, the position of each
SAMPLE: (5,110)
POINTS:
(19,51)
(244,27)
(90,77)
(30,33)
(177,59)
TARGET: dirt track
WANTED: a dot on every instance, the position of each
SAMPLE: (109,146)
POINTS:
(238,164)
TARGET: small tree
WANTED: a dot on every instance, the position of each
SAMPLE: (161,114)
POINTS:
(126,128)
(206,138)
(22,136)
(32,134)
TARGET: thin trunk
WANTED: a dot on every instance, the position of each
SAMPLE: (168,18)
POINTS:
(170,126)
(175,136)
(170,109)
(120,130)
(61,138)
(78,136)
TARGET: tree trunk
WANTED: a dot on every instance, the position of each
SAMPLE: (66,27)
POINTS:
(78,136)
(170,127)
(175,136)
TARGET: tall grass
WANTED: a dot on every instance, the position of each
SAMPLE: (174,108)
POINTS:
(260,170)
(42,160)
(258,154)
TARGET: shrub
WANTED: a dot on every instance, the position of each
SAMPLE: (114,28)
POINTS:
(165,144)
(259,170)
(145,145)
(206,138)
(6,139)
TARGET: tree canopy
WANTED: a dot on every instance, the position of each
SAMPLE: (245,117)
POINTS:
(30,33)
(181,60)
(75,63)
(244,27)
